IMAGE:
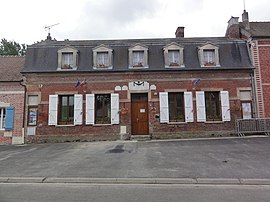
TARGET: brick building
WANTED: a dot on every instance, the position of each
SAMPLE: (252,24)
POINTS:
(112,89)
(12,94)
(257,35)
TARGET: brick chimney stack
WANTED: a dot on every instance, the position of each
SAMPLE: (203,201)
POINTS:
(245,20)
(180,32)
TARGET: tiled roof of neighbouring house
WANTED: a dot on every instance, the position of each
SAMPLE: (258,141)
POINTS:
(258,29)
(10,67)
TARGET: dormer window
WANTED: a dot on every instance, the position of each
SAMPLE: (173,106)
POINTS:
(208,55)
(67,59)
(138,57)
(173,56)
(102,57)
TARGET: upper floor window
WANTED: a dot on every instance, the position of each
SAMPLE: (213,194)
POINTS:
(208,55)
(67,58)
(173,56)
(138,56)
(102,57)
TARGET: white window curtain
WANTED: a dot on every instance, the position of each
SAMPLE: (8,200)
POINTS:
(209,56)
(67,59)
(2,118)
(103,59)
(138,57)
(173,56)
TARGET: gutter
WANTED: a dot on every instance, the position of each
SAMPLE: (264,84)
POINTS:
(22,83)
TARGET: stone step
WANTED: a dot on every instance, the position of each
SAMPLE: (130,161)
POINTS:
(140,137)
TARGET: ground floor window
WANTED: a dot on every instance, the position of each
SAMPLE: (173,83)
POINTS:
(246,109)
(102,108)
(2,118)
(32,115)
(66,109)
(212,101)
(176,107)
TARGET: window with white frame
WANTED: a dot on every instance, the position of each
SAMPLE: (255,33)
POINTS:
(33,101)
(102,57)
(67,58)
(138,56)
(102,108)
(65,109)
(209,55)
(2,118)
(213,106)
(176,107)
(173,56)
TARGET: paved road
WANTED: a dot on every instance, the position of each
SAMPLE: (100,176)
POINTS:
(222,158)
(132,193)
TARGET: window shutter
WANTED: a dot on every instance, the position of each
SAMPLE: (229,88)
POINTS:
(53,103)
(188,107)
(164,107)
(9,118)
(90,108)
(200,103)
(114,108)
(78,109)
(225,106)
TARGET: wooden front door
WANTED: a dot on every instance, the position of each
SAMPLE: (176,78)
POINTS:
(139,114)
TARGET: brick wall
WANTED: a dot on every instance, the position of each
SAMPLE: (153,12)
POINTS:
(13,94)
(102,82)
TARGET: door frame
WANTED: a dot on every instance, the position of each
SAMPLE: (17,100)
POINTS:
(145,95)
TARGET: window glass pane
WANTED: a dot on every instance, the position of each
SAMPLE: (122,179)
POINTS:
(173,57)
(212,102)
(32,116)
(176,107)
(66,107)
(67,60)
(102,59)
(103,108)
(138,58)
(209,56)
(2,118)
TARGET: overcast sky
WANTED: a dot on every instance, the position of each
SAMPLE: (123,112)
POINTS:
(24,20)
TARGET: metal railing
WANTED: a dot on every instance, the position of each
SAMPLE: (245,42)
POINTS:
(252,126)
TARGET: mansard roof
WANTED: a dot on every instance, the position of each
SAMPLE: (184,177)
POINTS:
(42,56)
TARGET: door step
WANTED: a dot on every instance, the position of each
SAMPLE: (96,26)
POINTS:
(140,137)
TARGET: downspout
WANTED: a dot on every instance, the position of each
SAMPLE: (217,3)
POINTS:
(22,83)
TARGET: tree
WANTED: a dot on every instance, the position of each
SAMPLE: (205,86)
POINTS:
(12,48)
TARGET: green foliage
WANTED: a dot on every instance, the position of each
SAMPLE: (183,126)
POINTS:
(12,48)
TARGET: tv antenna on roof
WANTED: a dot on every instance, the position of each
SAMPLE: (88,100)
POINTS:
(48,28)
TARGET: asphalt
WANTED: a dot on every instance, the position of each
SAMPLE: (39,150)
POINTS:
(222,161)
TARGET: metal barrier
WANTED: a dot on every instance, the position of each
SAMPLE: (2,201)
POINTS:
(252,126)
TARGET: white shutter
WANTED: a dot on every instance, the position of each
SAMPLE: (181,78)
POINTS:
(114,108)
(188,107)
(225,106)
(53,104)
(78,109)
(200,104)
(90,109)
(164,107)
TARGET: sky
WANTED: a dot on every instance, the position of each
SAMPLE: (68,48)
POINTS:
(24,21)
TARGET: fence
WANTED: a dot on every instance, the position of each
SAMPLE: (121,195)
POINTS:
(252,126)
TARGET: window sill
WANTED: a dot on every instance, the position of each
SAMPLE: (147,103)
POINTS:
(68,125)
(177,123)
(71,69)
(214,122)
(138,67)
(101,124)
(102,68)
(174,67)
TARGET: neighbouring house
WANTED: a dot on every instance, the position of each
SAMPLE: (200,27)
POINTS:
(257,35)
(111,89)
(12,94)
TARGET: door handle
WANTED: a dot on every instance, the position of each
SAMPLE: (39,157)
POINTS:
(137,119)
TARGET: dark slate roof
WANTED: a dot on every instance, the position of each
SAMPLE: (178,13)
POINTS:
(10,67)
(258,29)
(42,57)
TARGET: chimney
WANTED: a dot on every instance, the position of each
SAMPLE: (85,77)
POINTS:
(245,20)
(179,32)
(233,29)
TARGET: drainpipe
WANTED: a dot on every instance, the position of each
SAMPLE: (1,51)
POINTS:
(22,83)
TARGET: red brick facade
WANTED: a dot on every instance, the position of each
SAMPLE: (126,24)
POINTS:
(228,80)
